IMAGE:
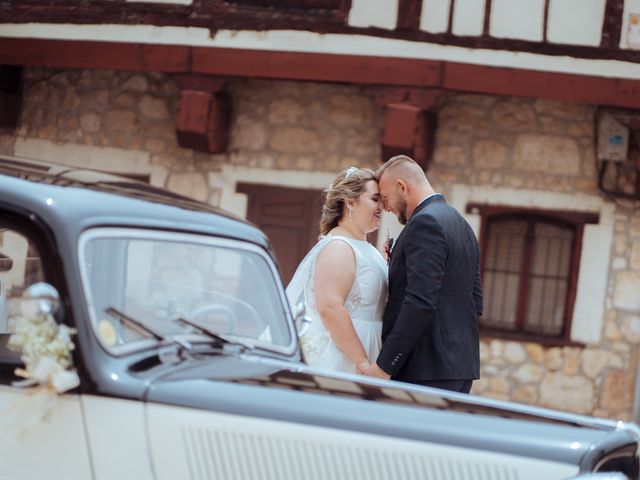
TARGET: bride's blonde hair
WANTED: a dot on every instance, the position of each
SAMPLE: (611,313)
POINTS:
(348,185)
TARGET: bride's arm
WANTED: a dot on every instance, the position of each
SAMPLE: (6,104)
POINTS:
(335,273)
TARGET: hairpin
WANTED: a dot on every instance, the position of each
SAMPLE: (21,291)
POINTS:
(351,171)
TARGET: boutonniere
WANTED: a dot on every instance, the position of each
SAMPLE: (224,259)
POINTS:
(388,247)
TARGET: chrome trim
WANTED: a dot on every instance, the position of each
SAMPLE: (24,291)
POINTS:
(140,234)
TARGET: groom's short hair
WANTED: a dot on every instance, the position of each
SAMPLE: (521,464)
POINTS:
(395,162)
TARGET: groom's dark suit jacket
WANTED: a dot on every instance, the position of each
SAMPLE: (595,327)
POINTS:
(430,324)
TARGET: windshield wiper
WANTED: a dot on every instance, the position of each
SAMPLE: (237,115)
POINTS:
(142,327)
(218,337)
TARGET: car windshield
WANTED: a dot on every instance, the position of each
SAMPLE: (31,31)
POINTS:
(226,286)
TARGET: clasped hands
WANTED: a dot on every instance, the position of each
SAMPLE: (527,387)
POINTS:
(365,367)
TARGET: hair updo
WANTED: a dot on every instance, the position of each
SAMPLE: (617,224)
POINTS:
(349,184)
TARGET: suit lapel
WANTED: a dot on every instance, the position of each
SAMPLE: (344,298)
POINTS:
(397,249)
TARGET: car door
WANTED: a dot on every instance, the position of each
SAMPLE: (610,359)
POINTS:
(41,433)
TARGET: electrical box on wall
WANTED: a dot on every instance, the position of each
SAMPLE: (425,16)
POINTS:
(613,139)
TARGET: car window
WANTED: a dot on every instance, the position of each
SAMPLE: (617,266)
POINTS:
(225,286)
(20,267)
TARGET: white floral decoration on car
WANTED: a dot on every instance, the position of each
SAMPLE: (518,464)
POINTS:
(45,346)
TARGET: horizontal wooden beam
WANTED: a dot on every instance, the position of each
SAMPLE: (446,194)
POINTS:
(365,70)
(531,83)
(85,54)
(316,67)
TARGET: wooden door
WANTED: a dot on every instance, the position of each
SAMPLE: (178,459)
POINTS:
(289,217)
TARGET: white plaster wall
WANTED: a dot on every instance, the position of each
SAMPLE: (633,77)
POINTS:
(434,17)
(630,33)
(523,19)
(468,17)
(374,13)
(588,313)
(576,22)
(593,279)
(107,159)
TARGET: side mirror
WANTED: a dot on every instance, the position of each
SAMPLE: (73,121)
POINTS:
(301,320)
(38,298)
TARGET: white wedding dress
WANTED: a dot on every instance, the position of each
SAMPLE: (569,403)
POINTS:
(365,304)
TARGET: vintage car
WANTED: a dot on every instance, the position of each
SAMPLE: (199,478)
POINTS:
(186,364)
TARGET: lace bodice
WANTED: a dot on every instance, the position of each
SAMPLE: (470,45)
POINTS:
(365,302)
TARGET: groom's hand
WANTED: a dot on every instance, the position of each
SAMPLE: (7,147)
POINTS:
(376,371)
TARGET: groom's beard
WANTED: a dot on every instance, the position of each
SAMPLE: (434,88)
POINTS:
(402,212)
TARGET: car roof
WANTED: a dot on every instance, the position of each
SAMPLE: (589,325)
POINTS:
(85,198)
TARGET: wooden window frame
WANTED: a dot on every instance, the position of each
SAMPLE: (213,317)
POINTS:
(571,219)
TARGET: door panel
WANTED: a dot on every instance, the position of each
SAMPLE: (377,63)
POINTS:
(116,430)
(52,447)
(289,217)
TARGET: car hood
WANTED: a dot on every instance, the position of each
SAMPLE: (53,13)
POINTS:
(270,389)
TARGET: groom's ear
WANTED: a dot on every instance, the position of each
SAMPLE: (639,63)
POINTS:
(402,185)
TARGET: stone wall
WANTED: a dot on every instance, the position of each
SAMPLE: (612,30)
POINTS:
(275,125)
(303,126)
(287,132)
(515,142)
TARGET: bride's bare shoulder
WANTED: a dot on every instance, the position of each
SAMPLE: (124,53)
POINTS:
(337,249)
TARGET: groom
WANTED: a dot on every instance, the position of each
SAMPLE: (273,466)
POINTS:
(430,324)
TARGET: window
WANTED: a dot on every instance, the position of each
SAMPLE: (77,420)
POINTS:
(530,262)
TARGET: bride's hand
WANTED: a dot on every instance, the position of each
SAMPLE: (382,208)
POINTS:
(363,366)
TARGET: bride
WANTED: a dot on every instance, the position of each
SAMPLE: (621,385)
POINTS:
(343,279)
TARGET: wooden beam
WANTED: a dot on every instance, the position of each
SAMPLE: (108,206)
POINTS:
(550,85)
(612,24)
(399,125)
(203,121)
(318,67)
(408,130)
(85,54)
(409,12)
(425,98)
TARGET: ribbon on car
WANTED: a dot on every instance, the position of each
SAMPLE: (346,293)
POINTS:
(49,380)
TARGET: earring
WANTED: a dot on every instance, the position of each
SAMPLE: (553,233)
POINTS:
(350,215)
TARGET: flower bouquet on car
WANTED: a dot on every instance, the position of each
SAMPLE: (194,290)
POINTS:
(45,345)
